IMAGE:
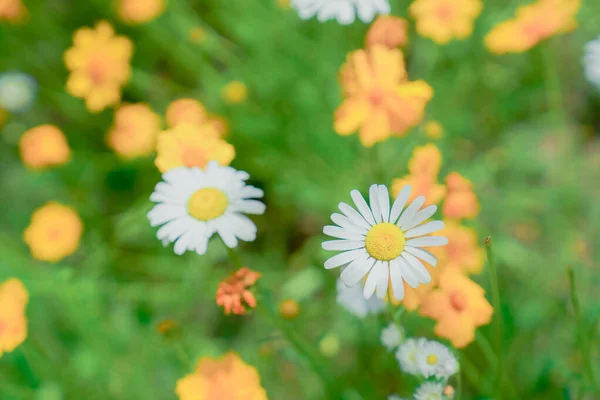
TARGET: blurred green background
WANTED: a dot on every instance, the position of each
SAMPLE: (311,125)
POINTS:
(524,128)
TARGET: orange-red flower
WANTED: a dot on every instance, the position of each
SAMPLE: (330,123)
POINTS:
(44,146)
(462,252)
(459,307)
(134,132)
(532,24)
(388,31)
(461,201)
(13,322)
(379,99)
(225,378)
(233,293)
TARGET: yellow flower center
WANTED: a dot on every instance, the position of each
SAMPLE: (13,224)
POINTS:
(432,359)
(385,241)
(207,204)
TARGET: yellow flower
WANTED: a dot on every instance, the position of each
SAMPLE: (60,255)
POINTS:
(191,146)
(379,100)
(140,11)
(462,251)
(191,111)
(44,146)
(289,309)
(532,24)
(388,31)
(434,130)
(99,65)
(284,4)
(54,232)
(225,378)
(134,131)
(461,201)
(459,306)
(423,167)
(234,92)
(12,10)
(13,322)
(443,20)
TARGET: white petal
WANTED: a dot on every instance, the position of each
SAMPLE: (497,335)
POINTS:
(411,210)
(399,203)
(344,258)
(428,241)
(407,273)
(343,245)
(396,279)
(346,223)
(202,245)
(354,215)
(378,273)
(162,213)
(420,217)
(383,282)
(374,200)
(362,206)
(366,11)
(341,233)
(384,203)
(422,254)
(227,234)
(357,270)
(243,227)
(425,229)
(181,245)
(248,207)
(250,192)
(417,267)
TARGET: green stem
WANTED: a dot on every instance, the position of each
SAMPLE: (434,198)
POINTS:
(498,320)
(552,84)
(459,387)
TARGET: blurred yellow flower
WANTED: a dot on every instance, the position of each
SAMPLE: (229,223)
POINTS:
(379,100)
(532,24)
(134,131)
(225,378)
(54,232)
(234,92)
(191,146)
(140,11)
(443,20)
(192,112)
(433,130)
(459,306)
(461,201)
(44,146)
(284,4)
(12,10)
(197,34)
(388,31)
(423,167)
(289,309)
(13,322)
(99,65)
(233,293)
(463,251)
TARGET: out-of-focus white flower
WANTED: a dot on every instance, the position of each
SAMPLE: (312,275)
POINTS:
(407,355)
(353,300)
(17,91)
(434,359)
(395,397)
(591,62)
(430,391)
(344,11)
(391,336)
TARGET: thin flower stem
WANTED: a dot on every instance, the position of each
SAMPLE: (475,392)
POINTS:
(552,84)
(582,338)
(459,388)
(498,320)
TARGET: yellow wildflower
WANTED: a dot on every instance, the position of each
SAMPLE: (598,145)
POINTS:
(12,10)
(191,111)
(234,92)
(443,20)
(13,322)
(44,146)
(99,65)
(140,11)
(134,131)
(388,31)
(434,130)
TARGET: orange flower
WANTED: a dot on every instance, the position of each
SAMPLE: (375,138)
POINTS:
(442,20)
(233,290)
(54,232)
(289,309)
(423,167)
(379,100)
(532,24)
(99,65)
(388,31)
(461,201)
(225,378)
(140,11)
(134,131)
(234,92)
(191,146)
(192,112)
(459,306)
(44,146)
(13,323)
(11,10)
(462,251)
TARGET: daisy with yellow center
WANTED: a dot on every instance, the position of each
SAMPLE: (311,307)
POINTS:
(434,359)
(443,20)
(134,132)
(13,322)
(140,11)
(194,204)
(44,146)
(383,242)
(407,355)
(99,65)
(379,99)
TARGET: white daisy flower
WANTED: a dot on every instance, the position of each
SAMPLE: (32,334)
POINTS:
(17,91)
(430,391)
(194,204)
(395,397)
(407,355)
(344,11)
(391,336)
(355,303)
(435,359)
(591,61)
(383,242)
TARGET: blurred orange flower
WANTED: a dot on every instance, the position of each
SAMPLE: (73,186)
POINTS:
(225,378)
(461,201)
(191,146)
(433,130)
(13,322)
(44,146)
(140,11)
(289,309)
(234,92)
(532,24)
(191,111)
(11,10)
(414,296)
(99,65)
(443,20)
(54,232)
(134,131)
(423,167)
(388,31)
(462,252)
(233,291)
(459,306)
(379,100)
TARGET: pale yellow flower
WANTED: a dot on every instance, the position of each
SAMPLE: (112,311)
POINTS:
(134,131)
(44,146)
(443,20)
